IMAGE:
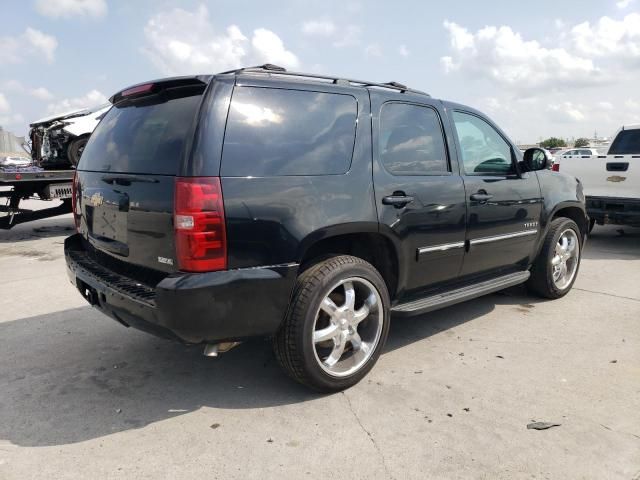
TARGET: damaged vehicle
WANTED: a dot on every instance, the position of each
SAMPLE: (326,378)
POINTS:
(58,141)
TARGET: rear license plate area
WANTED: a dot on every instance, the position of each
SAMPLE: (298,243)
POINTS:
(109,223)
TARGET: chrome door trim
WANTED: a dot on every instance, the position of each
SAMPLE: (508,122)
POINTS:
(506,236)
(440,248)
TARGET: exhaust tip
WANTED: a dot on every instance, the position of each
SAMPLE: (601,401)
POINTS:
(214,349)
(211,350)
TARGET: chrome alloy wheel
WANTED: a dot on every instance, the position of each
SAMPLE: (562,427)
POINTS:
(565,260)
(347,326)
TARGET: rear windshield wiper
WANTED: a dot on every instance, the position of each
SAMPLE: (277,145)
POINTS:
(126,180)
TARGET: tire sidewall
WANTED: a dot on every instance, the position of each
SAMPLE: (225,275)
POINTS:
(73,148)
(305,343)
(564,225)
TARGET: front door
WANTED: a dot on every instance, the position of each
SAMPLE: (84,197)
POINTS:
(420,198)
(503,205)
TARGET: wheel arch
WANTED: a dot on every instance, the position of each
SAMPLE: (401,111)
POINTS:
(361,239)
(574,211)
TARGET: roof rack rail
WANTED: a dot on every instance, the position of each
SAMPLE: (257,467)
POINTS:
(277,70)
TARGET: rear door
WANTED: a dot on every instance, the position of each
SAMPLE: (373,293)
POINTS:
(419,197)
(127,173)
(503,206)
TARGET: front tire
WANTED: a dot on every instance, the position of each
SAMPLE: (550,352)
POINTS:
(336,325)
(75,149)
(556,268)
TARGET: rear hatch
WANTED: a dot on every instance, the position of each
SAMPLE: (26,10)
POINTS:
(126,176)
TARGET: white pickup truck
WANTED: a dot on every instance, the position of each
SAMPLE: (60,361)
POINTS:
(611,182)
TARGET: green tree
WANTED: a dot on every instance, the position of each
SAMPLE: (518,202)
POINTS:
(553,142)
(581,142)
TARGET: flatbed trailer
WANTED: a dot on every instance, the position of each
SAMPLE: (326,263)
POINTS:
(46,184)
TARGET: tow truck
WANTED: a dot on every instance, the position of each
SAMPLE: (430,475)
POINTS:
(46,184)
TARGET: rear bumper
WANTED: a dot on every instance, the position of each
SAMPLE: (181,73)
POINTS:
(193,308)
(619,211)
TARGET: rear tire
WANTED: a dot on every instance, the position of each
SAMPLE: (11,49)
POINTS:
(75,149)
(556,267)
(336,325)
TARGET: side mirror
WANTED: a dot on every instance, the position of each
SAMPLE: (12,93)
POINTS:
(535,159)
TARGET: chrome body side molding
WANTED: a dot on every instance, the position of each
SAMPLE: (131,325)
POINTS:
(506,236)
(440,248)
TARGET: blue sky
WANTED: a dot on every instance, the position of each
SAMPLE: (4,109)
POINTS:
(538,68)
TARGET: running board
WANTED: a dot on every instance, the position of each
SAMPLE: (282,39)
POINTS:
(441,300)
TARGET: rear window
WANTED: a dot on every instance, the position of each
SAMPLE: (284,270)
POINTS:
(143,136)
(626,143)
(277,132)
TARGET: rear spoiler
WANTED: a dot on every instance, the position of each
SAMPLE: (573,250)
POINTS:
(155,86)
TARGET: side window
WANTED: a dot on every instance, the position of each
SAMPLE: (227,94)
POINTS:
(411,141)
(483,149)
(277,132)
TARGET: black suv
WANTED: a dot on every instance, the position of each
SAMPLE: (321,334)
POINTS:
(260,202)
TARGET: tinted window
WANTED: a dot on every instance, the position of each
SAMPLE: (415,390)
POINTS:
(483,149)
(143,137)
(411,141)
(274,132)
(626,143)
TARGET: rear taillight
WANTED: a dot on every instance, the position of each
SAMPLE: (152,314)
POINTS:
(74,200)
(555,167)
(201,239)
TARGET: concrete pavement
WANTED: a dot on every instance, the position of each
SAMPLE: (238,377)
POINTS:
(83,397)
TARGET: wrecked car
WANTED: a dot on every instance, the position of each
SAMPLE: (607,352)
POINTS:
(59,140)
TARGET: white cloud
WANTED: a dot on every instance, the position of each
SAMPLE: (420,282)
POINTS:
(609,38)
(504,57)
(403,51)
(41,42)
(566,112)
(324,28)
(605,105)
(90,99)
(8,118)
(373,50)
(71,8)
(15,86)
(269,47)
(31,43)
(632,104)
(185,42)
(4,104)
(347,36)
(622,4)
(41,93)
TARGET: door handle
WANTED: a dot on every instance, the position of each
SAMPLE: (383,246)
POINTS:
(481,196)
(397,201)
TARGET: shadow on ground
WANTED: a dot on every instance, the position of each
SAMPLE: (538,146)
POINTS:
(75,375)
(61,226)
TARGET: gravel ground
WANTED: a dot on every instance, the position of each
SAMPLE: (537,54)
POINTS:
(451,397)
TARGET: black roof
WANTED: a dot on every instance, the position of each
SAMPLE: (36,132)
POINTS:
(275,70)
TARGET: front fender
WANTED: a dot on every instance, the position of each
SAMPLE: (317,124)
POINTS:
(561,192)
